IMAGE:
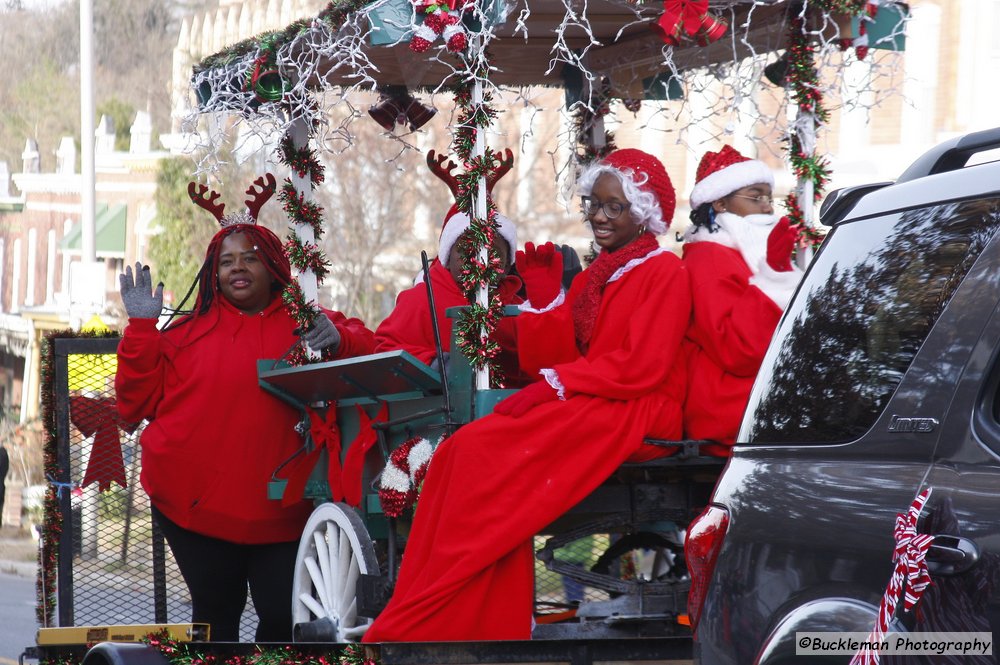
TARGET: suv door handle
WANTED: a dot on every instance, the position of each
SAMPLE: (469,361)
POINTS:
(951,555)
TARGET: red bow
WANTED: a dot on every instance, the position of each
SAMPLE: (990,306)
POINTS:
(324,434)
(354,461)
(908,555)
(688,18)
(98,417)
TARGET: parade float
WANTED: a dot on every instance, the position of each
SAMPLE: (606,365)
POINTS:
(287,91)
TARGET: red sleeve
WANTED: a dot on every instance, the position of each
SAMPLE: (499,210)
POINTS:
(355,338)
(545,338)
(638,337)
(733,320)
(408,327)
(139,378)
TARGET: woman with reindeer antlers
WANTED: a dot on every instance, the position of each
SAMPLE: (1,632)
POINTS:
(409,326)
(612,373)
(214,437)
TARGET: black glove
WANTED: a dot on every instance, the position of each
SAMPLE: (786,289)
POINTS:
(140,301)
(447,361)
(322,335)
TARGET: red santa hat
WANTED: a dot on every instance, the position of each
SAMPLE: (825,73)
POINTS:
(722,173)
(648,169)
(455,223)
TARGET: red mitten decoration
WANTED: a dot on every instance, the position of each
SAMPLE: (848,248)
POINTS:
(780,243)
(541,271)
(423,37)
(454,34)
(523,400)
(419,44)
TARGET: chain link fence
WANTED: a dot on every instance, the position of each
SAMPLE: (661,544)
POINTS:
(115,567)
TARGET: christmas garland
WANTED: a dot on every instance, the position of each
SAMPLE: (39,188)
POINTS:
(303,256)
(584,120)
(52,519)
(803,80)
(182,653)
(586,152)
(474,329)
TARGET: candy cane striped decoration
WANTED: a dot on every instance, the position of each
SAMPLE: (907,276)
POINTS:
(403,474)
(908,555)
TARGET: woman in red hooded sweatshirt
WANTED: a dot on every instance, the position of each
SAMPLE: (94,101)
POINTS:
(214,436)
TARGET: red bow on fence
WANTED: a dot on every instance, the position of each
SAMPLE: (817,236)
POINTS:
(688,18)
(98,417)
(908,555)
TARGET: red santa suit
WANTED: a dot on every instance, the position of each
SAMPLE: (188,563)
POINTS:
(214,435)
(468,571)
(409,327)
(737,300)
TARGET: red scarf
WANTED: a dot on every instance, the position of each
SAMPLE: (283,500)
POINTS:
(586,306)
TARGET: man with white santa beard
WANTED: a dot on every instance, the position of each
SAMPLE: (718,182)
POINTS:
(738,253)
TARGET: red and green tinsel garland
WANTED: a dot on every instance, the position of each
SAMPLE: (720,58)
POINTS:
(586,151)
(803,81)
(58,480)
(476,326)
(302,161)
(183,653)
(303,256)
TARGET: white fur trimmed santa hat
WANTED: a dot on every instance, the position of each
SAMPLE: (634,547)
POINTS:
(455,223)
(722,173)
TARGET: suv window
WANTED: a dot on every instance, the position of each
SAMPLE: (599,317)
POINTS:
(859,318)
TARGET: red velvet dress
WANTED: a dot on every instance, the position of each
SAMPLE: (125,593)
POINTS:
(467,570)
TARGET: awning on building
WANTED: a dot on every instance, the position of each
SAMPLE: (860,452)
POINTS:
(109,231)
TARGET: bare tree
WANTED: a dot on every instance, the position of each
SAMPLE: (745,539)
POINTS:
(369,198)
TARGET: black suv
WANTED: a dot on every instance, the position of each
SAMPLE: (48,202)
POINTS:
(883,379)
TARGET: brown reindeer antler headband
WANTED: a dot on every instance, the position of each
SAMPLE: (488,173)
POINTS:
(267,186)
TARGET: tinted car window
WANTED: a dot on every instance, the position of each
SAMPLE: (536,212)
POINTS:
(860,317)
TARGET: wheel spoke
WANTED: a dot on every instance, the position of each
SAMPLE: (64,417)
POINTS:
(336,563)
(318,584)
(314,607)
(323,557)
(334,550)
(354,633)
(349,589)
(345,557)
(350,614)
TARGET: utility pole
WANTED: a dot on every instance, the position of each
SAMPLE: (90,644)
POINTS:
(87,205)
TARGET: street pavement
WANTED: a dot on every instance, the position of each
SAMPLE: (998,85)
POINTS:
(17,594)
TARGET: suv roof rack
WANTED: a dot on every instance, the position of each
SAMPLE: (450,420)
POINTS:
(841,201)
(952,155)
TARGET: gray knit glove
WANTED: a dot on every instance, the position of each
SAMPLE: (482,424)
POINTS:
(141,302)
(322,335)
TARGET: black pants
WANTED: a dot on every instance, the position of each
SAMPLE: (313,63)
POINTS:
(218,573)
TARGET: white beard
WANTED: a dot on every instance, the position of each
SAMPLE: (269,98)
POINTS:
(746,234)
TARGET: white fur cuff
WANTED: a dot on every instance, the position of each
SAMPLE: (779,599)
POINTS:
(526,306)
(552,378)
(778,286)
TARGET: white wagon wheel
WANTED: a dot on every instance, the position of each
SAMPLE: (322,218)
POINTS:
(335,549)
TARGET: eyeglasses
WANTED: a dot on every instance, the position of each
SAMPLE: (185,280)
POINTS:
(763,199)
(611,209)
